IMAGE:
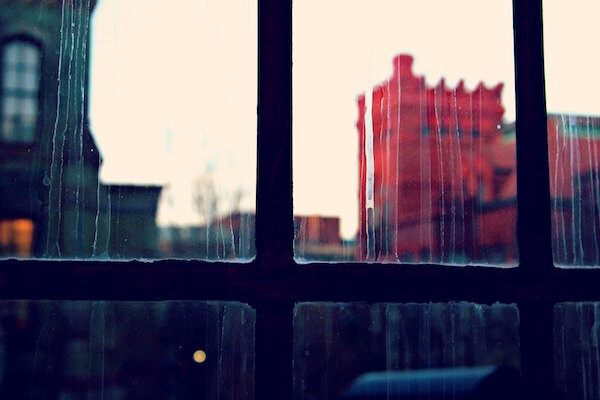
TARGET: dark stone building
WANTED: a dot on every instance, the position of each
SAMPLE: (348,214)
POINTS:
(51,201)
(48,159)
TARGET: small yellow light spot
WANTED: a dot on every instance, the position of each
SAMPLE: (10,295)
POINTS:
(199,356)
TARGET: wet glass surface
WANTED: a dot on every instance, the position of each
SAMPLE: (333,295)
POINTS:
(577,350)
(126,350)
(404,135)
(573,131)
(119,140)
(334,343)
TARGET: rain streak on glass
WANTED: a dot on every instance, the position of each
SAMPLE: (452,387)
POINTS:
(126,350)
(122,141)
(573,130)
(404,136)
(577,350)
(334,343)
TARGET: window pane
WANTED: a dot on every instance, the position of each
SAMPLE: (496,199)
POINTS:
(20,83)
(10,104)
(30,56)
(573,131)
(11,55)
(126,350)
(576,350)
(30,81)
(20,67)
(16,237)
(404,134)
(162,164)
(10,79)
(28,107)
(334,342)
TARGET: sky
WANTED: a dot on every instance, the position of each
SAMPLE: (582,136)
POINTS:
(176,85)
(340,55)
(173,98)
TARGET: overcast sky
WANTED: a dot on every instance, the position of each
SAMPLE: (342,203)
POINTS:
(173,97)
(173,85)
(343,47)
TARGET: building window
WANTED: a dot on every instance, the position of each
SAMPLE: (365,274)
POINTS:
(20,86)
(16,236)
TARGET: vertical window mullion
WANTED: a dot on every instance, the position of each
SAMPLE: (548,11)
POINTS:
(533,197)
(533,182)
(274,223)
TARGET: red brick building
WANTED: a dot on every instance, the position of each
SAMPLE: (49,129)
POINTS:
(438,181)
(318,238)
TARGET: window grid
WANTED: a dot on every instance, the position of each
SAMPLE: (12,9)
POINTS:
(273,282)
(20,84)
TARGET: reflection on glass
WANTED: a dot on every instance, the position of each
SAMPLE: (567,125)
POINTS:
(334,342)
(126,350)
(577,350)
(404,137)
(573,131)
(122,141)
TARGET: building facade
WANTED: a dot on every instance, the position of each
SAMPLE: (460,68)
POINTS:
(52,204)
(437,178)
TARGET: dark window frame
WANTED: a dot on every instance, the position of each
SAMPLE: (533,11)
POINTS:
(272,283)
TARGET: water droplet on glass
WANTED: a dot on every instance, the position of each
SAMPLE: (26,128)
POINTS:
(46,181)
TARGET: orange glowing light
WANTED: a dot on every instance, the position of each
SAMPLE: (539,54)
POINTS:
(199,356)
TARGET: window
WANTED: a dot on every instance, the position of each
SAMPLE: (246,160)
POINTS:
(573,127)
(273,283)
(423,126)
(124,350)
(21,67)
(16,237)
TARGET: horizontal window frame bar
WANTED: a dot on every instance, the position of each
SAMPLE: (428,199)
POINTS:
(198,280)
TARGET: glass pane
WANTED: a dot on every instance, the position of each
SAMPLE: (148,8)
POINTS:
(10,79)
(573,131)
(21,70)
(19,116)
(126,350)
(577,350)
(11,54)
(334,343)
(30,81)
(10,105)
(30,56)
(162,163)
(404,131)
(28,107)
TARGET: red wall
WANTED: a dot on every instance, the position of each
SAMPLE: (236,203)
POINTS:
(437,155)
